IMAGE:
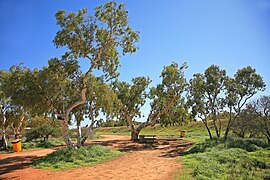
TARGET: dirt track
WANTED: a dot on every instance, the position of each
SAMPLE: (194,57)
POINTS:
(142,161)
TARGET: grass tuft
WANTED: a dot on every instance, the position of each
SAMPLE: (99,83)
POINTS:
(53,142)
(66,158)
(235,159)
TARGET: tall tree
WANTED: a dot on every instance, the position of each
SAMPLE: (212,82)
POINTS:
(197,100)
(16,87)
(100,98)
(177,115)
(166,95)
(97,39)
(56,86)
(261,107)
(4,107)
(206,96)
(215,84)
(245,84)
(42,127)
(247,123)
(163,97)
(133,97)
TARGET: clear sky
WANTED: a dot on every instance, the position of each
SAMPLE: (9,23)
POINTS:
(229,33)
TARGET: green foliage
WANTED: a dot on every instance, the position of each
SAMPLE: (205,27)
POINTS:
(232,160)
(100,98)
(246,144)
(177,115)
(43,144)
(66,158)
(168,93)
(247,124)
(58,84)
(261,107)
(97,38)
(111,123)
(42,127)
(17,97)
(238,90)
(131,96)
(205,96)
(16,85)
(194,131)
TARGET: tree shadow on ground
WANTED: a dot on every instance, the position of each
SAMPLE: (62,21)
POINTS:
(177,148)
(10,164)
(169,147)
(126,145)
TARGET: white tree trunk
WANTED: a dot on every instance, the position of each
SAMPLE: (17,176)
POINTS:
(79,135)
(4,130)
(17,131)
(4,138)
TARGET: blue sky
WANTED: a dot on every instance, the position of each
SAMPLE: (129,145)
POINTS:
(232,34)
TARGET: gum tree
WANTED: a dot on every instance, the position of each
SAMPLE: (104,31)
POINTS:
(42,127)
(206,96)
(261,107)
(4,107)
(97,39)
(100,99)
(16,86)
(132,97)
(197,101)
(163,98)
(239,89)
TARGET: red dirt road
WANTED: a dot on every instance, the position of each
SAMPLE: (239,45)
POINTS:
(142,161)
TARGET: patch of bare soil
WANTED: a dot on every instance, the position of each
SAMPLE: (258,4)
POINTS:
(155,160)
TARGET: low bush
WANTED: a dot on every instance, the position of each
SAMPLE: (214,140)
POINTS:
(235,159)
(250,144)
(66,158)
(43,144)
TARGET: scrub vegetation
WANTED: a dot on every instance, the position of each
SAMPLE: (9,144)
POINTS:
(66,158)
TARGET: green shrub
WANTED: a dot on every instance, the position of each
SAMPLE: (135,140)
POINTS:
(66,158)
(247,144)
(235,159)
(43,144)
(202,147)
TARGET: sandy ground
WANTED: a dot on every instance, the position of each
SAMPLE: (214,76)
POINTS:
(144,161)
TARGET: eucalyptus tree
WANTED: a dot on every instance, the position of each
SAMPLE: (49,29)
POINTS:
(4,107)
(247,123)
(206,96)
(132,97)
(57,85)
(239,89)
(261,107)
(97,39)
(215,84)
(16,86)
(3,120)
(163,97)
(42,127)
(177,115)
(100,99)
(197,100)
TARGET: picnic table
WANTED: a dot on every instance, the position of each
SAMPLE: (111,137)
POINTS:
(147,138)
